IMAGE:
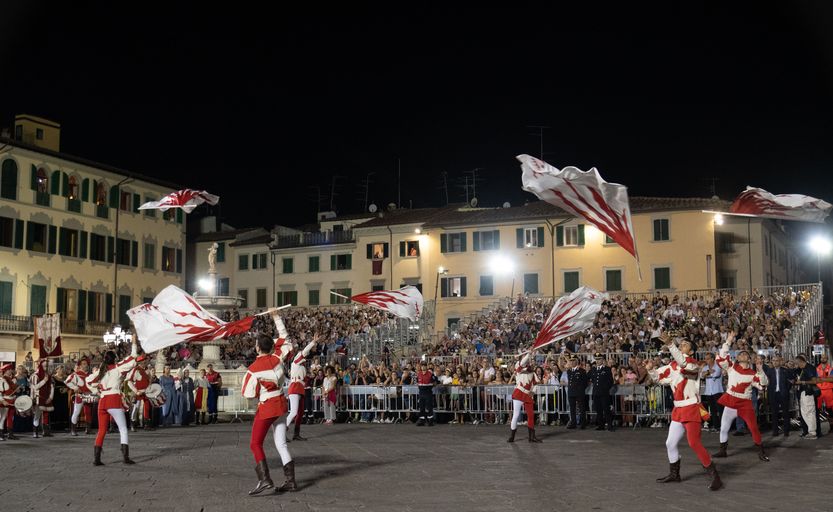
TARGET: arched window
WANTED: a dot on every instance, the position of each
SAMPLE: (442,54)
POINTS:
(43,181)
(101,195)
(73,188)
(8,180)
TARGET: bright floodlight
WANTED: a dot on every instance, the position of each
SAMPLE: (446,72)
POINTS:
(501,265)
(417,231)
(718,219)
(821,245)
(441,270)
(205,284)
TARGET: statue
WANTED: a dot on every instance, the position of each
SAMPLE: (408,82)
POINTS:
(212,258)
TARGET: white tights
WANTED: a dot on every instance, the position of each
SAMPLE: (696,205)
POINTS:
(76,412)
(517,405)
(676,433)
(4,412)
(280,440)
(121,422)
(294,404)
(37,416)
(329,410)
(729,415)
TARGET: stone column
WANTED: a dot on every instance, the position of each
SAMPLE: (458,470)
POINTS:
(211,355)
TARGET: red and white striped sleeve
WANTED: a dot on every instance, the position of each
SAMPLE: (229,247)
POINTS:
(251,387)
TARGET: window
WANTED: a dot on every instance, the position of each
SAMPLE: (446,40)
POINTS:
(531,284)
(42,188)
(571,280)
(102,211)
(100,194)
(68,242)
(486,240)
(569,236)
(260,297)
(18,132)
(453,242)
(222,287)
(124,305)
(221,252)
(258,261)
(411,249)
(377,251)
(314,299)
(287,265)
(337,228)
(377,287)
(168,259)
(661,230)
(8,180)
(123,251)
(453,287)
(169,215)
(150,257)
(487,285)
(147,300)
(609,240)
(613,280)
(313,263)
(243,262)
(39,133)
(5,298)
(727,279)
(725,243)
(72,188)
(98,247)
(244,294)
(285,298)
(124,202)
(6,231)
(341,262)
(37,303)
(36,237)
(152,212)
(662,278)
(530,237)
(97,309)
(346,292)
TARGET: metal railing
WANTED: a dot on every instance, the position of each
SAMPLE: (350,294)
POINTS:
(11,323)
(308,239)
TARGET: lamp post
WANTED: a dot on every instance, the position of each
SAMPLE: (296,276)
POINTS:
(117,337)
(273,255)
(116,250)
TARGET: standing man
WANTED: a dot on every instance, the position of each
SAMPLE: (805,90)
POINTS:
(807,403)
(425,380)
(215,383)
(138,381)
(714,390)
(824,403)
(77,382)
(602,379)
(186,398)
(576,386)
(778,392)
(43,392)
(297,388)
(7,398)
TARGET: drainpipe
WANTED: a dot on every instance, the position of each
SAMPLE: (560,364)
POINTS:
(390,252)
(552,251)
(115,255)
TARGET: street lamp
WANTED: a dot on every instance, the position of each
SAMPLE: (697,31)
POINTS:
(443,271)
(503,266)
(274,256)
(718,219)
(822,247)
(118,336)
(205,284)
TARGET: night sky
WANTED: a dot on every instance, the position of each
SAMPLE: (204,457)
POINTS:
(261,107)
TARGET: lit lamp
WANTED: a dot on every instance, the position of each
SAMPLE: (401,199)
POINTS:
(443,271)
(718,219)
(822,247)
(117,337)
(503,266)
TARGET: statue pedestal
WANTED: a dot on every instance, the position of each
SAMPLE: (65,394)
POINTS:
(211,356)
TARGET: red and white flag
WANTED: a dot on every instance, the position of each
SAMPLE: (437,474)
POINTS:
(175,317)
(584,194)
(48,335)
(760,203)
(186,199)
(405,302)
(570,315)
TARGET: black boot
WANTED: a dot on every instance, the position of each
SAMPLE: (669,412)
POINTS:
(297,435)
(125,451)
(264,481)
(97,455)
(10,435)
(762,454)
(512,436)
(716,483)
(532,438)
(288,473)
(35,434)
(202,414)
(721,454)
(87,429)
(47,432)
(673,475)
(72,429)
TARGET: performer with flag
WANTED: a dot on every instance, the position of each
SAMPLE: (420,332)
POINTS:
(138,381)
(109,377)
(263,380)
(683,375)
(737,400)
(297,387)
(8,389)
(77,382)
(43,392)
(525,379)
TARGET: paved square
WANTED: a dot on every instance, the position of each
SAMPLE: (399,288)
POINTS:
(404,468)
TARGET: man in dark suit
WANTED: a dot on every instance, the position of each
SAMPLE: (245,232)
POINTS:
(576,386)
(778,392)
(602,379)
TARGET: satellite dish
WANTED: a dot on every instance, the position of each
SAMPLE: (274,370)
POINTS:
(373,208)
(506,204)
(473,202)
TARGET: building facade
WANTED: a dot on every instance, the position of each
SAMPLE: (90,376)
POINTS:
(61,250)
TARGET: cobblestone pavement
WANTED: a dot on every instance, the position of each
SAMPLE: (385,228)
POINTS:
(403,467)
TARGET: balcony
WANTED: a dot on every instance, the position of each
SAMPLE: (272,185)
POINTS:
(11,323)
(310,239)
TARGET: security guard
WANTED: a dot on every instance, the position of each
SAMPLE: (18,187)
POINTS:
(425,380)
(576,386)
(602,379)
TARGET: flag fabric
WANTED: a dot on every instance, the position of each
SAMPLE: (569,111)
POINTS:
(175,317)
(570,315)
(186,199)
(48,335)
(760,203)
(405,302)
(584,194)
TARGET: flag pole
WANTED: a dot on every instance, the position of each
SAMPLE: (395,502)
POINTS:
(340,295)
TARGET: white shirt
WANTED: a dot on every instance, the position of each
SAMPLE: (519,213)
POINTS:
(714,380)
